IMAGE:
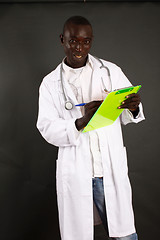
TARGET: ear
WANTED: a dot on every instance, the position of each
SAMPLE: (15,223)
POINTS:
(61,38)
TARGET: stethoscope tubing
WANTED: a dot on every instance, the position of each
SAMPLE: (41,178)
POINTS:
(68,104)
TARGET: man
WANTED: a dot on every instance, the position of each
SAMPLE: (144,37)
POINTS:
(92,166)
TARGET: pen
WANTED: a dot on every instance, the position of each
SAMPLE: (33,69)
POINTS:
(81,104)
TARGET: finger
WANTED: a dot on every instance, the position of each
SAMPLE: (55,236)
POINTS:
(134,99)
(92,104)
(130,106)
(133,95)
(127,104)
(130,100)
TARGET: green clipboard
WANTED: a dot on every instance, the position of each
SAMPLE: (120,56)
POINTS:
(108,111)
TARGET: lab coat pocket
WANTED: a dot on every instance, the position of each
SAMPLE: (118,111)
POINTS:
(61,173)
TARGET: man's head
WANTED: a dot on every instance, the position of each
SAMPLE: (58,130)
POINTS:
(76,40)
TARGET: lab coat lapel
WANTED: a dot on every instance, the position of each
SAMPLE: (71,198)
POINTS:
(75,112)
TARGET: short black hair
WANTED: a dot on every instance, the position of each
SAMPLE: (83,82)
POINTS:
(77,20)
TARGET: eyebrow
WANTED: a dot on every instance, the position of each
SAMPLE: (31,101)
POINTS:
(85,37)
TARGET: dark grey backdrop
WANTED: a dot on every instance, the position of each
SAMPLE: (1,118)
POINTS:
(127,34)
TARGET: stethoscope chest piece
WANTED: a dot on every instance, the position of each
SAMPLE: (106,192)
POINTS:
(68,105)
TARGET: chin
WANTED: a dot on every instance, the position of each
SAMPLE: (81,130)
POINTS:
(79,61)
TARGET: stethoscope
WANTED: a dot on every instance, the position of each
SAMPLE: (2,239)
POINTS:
(68,104)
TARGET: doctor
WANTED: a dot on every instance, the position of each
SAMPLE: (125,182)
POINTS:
(92,168)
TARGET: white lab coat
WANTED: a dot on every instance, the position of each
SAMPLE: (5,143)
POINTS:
(74,165)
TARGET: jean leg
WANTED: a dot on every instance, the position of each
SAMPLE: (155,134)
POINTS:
(99,200)
(129,237)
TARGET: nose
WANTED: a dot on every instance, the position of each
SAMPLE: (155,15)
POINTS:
(79,47)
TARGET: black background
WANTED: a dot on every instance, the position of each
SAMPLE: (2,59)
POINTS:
(126,33)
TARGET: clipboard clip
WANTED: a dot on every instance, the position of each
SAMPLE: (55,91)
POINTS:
(119,91)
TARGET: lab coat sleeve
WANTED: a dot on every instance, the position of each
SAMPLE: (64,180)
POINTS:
(54,129)
(127,116)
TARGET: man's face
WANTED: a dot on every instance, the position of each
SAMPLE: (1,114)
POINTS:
(77,40)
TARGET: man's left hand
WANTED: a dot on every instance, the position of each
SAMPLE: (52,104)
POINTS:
(132,102)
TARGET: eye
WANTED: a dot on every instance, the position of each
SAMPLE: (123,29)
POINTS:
(87,42)
(72,41)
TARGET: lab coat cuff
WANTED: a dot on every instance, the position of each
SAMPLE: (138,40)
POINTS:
(127,116)
(140,115)
(73,133)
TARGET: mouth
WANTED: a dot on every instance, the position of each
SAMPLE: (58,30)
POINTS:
(78,56)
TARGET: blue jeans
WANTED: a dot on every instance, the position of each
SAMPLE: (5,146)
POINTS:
(98,198)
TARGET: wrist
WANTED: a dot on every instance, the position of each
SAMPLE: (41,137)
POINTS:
(135,112)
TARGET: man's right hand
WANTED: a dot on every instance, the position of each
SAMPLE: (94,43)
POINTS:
(89,110)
